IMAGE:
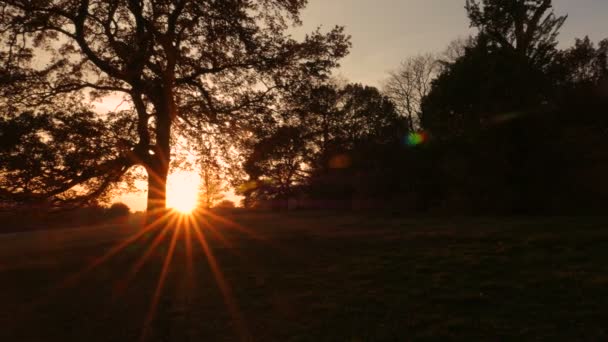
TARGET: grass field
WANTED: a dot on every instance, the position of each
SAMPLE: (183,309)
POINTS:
(309,276)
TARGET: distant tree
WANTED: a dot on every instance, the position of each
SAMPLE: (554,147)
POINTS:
(118,210)
(505,71)
(455,50)
(277,165)
(410,83)
(366,115)
(314,111)
(583,63)
(326,126)
(225,204)
(581,72)
(177,63)
(334,119)
(213,185)
(511,111)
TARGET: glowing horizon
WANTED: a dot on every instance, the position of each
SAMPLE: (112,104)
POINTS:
(182,191)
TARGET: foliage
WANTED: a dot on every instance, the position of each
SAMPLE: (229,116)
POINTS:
(503,116)
(118,210)
(217,65)
(277,165)
(583,64)
(213,185)
(225,204)
(61,159)
(486,127)
(504,71)
(525,28)
(329,129)
(480,88)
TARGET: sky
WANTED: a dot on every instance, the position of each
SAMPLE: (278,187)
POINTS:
(385,32)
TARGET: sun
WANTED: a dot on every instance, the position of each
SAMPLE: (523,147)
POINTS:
(182,191)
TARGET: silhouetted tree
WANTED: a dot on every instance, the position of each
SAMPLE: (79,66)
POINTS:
(504,72)
(212,187)
(277,166)
(410,83)
(62,159)
(455,50)
(526,28)
(583,64)
(330,135)
(366,115)
(225,204)
(195,63)
(118,210)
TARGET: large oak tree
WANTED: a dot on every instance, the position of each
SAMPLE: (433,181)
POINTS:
(208,65)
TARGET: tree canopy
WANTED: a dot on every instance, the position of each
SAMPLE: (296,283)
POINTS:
(215,66)
(524,27)
(330,130)
(503,121)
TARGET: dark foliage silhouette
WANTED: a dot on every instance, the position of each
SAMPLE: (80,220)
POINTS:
(178,63)
(504,116)
(118,210)
(487,127)
(331,140)
(61,159)
(499,124)
(225,204)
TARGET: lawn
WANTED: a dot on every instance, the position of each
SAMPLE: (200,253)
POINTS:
(309,276)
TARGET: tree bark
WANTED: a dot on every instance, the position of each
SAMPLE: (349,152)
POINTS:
(158,167)
(157,187)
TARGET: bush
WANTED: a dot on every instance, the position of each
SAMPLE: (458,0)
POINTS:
(118,210)
(225,204)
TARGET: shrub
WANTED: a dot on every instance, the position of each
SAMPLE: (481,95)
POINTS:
(118,210)
(225,204)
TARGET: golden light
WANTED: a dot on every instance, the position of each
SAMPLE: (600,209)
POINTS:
(182,191)
(171,227)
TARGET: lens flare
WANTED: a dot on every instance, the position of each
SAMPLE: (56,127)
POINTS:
(416,139)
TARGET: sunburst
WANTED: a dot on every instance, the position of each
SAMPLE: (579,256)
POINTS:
(172,226)
(182,191)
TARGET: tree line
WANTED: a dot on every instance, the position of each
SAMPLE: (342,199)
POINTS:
(503,121)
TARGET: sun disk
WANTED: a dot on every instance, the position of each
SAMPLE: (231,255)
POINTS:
(182,191)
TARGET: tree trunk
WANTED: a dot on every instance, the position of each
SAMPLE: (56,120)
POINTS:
(157,187)
(158,167)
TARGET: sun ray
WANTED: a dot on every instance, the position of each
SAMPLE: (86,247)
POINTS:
(247,231)
(223,285)
(234,225)
(157,241)
(73,279)
(115,250)
(136,268)
(216,232)
(160,285)
(190,277)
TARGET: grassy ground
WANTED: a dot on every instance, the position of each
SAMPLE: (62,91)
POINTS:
(310,277)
